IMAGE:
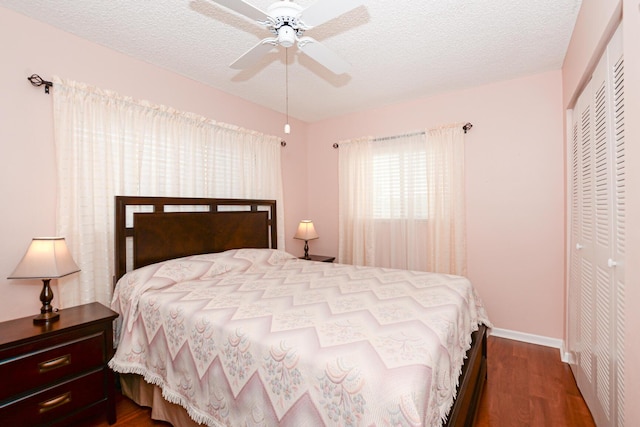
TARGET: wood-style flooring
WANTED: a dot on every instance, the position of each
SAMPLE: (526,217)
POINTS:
(528,386)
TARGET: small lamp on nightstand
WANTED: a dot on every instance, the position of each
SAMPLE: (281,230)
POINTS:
(47,258)
(306,232)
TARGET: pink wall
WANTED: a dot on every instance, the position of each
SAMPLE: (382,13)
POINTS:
(514,184)
(596,22)
(27,169)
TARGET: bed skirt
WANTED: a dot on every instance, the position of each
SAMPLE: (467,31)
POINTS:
(144,394)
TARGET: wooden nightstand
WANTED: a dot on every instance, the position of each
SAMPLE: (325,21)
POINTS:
(320,258)
(56,374)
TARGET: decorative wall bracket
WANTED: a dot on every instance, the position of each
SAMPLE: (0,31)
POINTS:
(36,80)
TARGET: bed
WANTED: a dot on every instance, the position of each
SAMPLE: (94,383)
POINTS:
(220,327)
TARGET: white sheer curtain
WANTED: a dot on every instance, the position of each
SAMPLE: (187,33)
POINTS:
(401,202)
(108,145)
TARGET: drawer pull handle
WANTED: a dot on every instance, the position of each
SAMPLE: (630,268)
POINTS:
(55,402)
(58,362)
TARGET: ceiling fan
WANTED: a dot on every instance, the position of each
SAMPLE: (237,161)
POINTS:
(288,21)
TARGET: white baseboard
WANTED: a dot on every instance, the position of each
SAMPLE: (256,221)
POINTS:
(565,356)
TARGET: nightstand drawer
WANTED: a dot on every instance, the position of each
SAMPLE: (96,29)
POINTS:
(52,404)
(51,364)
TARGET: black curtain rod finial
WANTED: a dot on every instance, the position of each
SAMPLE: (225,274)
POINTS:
(36,80)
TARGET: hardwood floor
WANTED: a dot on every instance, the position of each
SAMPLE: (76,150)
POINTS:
(528,386)
(129,415)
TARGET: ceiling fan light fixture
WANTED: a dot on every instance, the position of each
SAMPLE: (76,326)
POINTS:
(286,36)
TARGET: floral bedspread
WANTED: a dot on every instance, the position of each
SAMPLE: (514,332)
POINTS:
(257,337)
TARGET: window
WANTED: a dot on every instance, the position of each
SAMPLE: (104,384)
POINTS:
(400,185)
(402,201)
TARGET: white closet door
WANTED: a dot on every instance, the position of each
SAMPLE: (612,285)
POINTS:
(575,235)
(596,264)
(582,259)
(616,60)
(603,245)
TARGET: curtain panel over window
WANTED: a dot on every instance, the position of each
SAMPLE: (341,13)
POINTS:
(108,145)
(401,202)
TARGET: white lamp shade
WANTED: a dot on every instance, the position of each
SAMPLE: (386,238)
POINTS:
(306,230)
(46,258)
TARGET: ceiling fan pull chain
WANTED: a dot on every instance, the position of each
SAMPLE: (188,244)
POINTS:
(287,128)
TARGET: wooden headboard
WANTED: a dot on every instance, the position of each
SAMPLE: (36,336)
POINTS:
(156,229)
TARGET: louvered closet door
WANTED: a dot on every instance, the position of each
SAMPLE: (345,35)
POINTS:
(582,262)
(576,244)
(620,226)
(597,233)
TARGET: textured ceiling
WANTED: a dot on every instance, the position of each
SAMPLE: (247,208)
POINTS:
(399,50)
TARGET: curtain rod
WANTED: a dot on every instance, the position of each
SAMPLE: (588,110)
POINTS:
(37,81)
(467,126)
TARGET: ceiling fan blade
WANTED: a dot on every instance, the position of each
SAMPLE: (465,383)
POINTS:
(254,54)
(243,8)
(323,55)
(325,10)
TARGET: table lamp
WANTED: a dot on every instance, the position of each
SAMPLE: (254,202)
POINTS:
(306,232)
(46,258)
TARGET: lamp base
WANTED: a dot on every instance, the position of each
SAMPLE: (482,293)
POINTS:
(306,250)
(49,317)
